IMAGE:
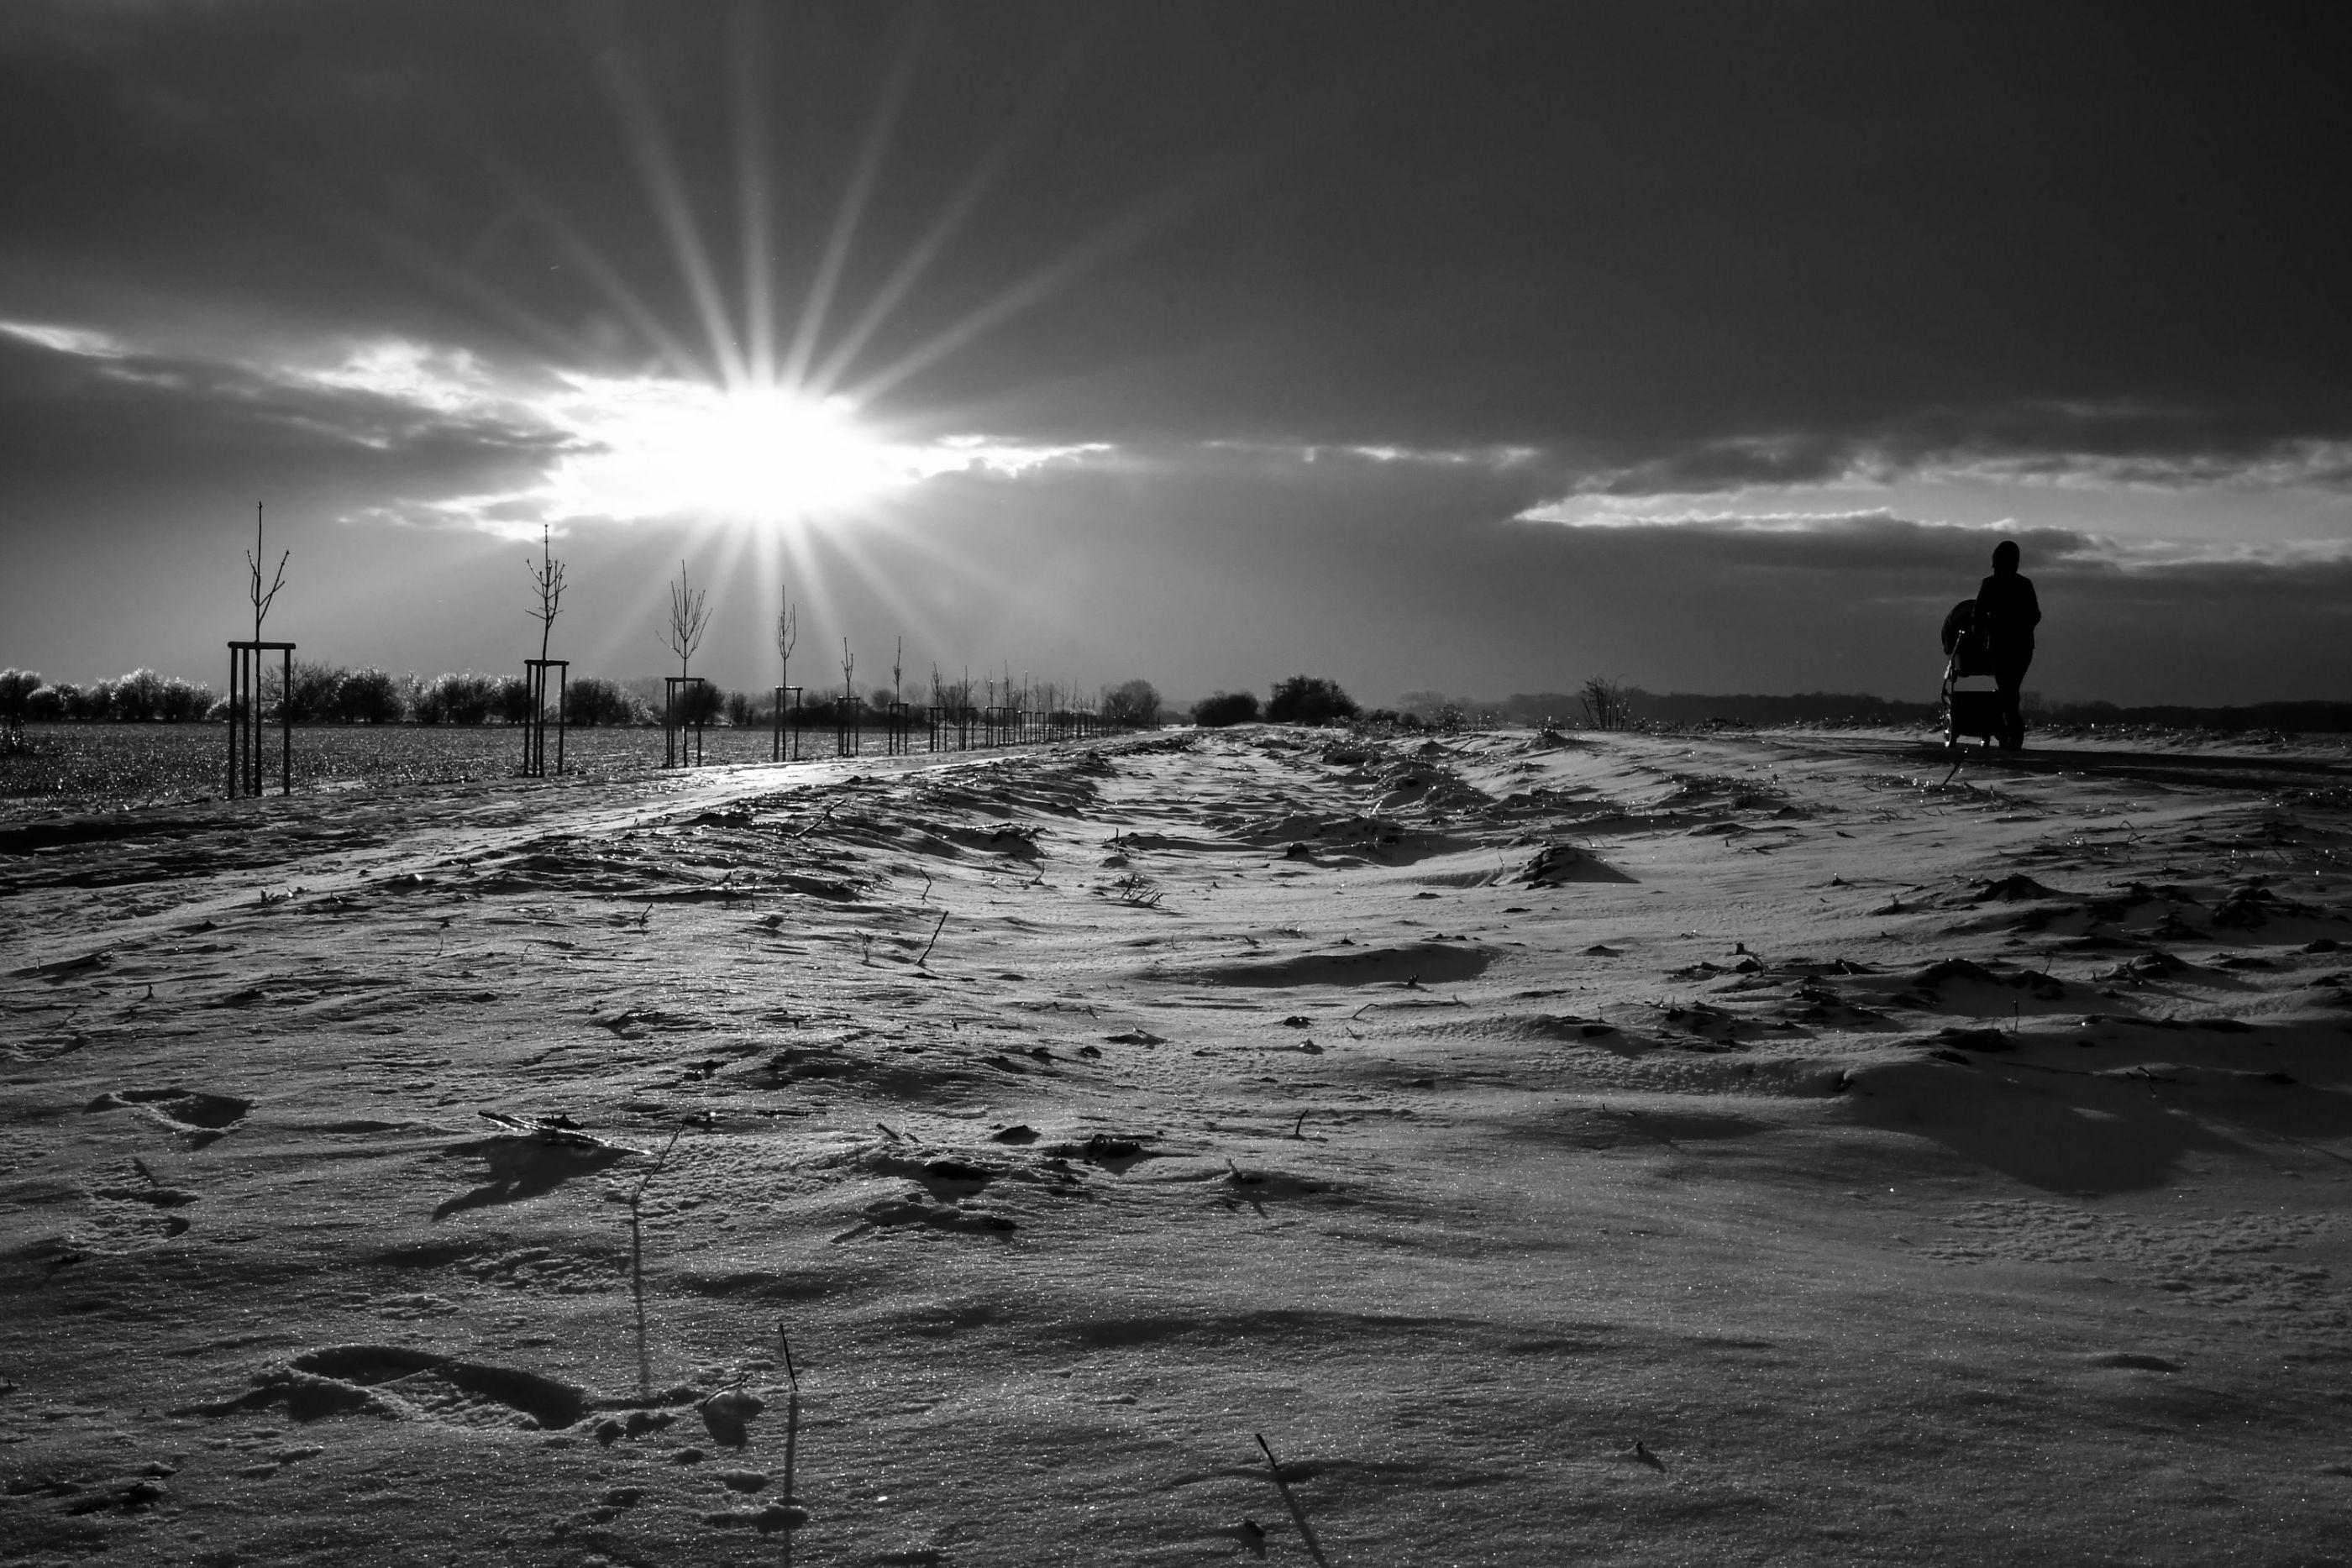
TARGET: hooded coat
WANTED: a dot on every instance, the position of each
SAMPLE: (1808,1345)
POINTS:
(2008,611)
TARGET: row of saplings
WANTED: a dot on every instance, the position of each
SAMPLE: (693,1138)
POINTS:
(1301,699)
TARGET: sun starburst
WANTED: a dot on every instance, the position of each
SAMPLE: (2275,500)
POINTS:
(649,447)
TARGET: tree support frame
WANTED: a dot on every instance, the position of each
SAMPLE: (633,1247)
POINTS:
(245,716)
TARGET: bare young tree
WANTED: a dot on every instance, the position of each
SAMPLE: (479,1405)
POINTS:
(788,634)
(849,663)
(687,619)
(261,600)
(898,660)
(547,577)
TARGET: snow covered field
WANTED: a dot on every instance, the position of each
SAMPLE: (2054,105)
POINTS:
(85,767)
(1562,1149)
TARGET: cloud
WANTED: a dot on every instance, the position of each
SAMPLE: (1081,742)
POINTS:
(66,340)
(2043,442)
(1880,535)
(2307,463)
(1731,463)
(82,413)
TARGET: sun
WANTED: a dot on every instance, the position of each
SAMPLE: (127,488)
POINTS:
(649,447)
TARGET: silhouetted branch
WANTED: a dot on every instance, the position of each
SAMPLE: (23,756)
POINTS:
(547,577)
(788,634)
(253,559)
(687,617)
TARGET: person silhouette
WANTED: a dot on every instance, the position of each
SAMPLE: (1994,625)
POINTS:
(2007,613)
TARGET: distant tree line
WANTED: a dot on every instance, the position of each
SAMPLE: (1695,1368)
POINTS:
(329,694)
(143,696)
(318,694)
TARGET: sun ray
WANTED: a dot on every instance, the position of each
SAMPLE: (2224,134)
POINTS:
(1307,122)
(799,574)
(649,149)
(881,585)
(1132,229)
(756,638)
(944,559)
(732,545)
(605,277)
(1017,136)
(852,212)
(829,624)
(748,38)
(912,265)
(624,645)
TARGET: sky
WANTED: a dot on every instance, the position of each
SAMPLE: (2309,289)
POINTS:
(1424,346)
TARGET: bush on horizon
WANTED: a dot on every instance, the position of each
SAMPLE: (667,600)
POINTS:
(592,700)
(700,704)
(1134,704)
(138,695)
(827,711)
(1225,708)
(311,696)
(456,696)
(368,696)
(64,699)
(184,702)
(1309,699)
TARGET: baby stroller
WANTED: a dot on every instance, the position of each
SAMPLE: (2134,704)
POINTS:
(1969,710)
